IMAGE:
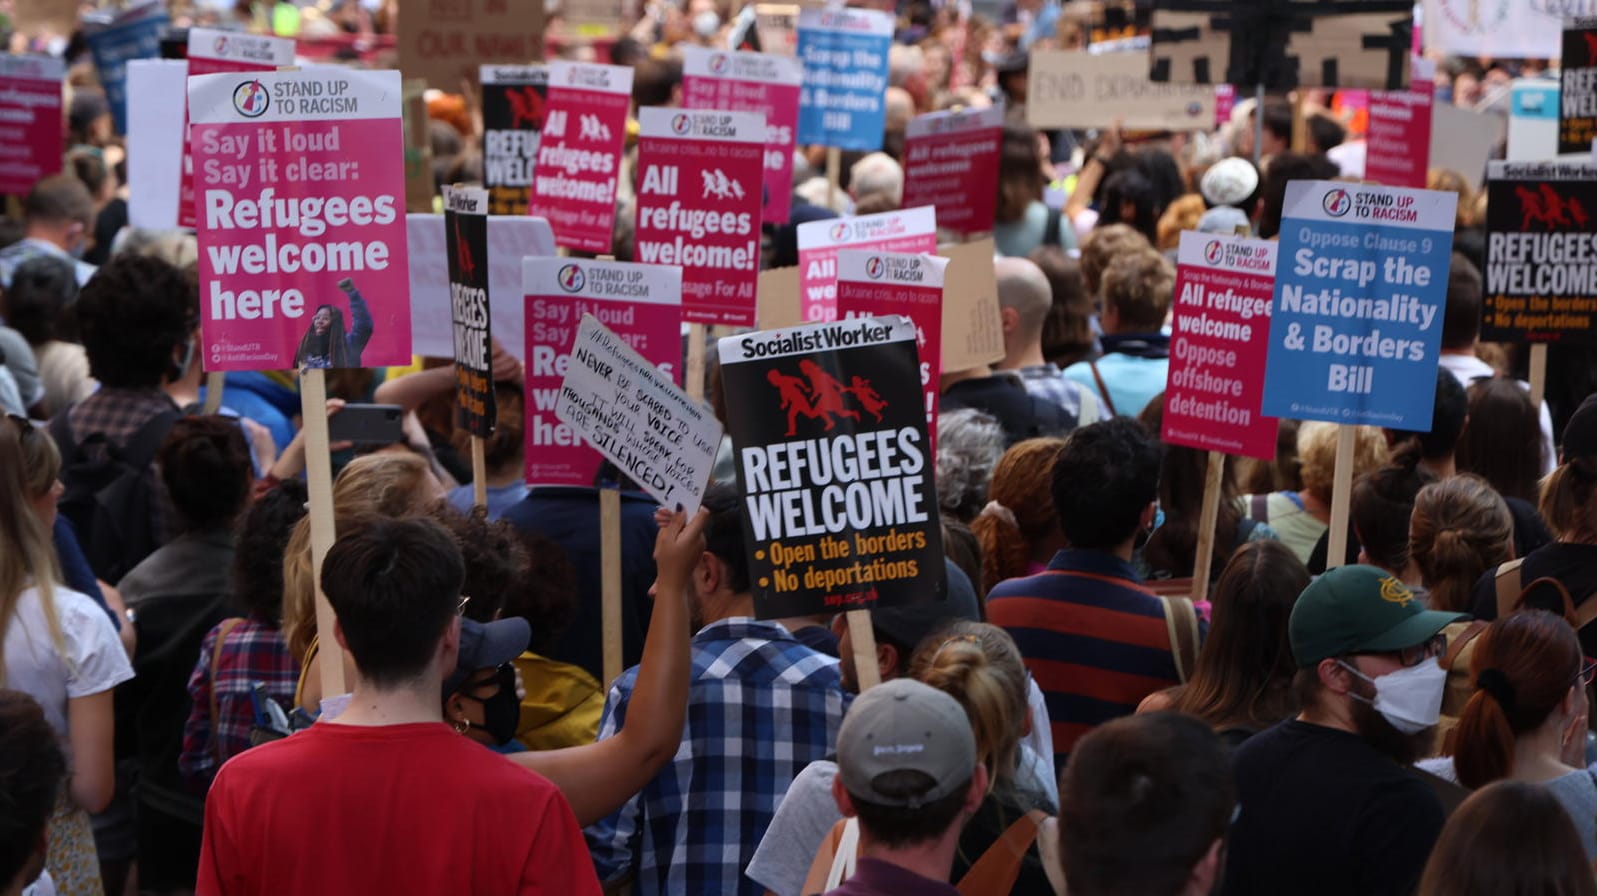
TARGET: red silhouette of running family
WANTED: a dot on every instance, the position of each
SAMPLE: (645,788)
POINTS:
(817,395)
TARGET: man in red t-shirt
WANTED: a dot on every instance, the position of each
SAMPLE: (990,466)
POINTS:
(387,798)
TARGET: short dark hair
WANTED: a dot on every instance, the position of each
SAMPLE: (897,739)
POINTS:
(206,466)
(1104,477)
(1325,132)
(133,312)
(1461,317)
(1285,167)
(61,199)
(496,562)
(1143,799)
(723,533)
(31,770)
(262,542)
(899,826)
(1278,119)
(394,585)
(547,594)
(1448,412)
(1381,503)
(40,302)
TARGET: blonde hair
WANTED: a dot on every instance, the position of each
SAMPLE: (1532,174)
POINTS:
(1020,512)
(1183,213)
(979,665)
(1459,529)
(1139,284)
(29,463)
(1317,453)
(1101,246)
(1567,502)
(385,485)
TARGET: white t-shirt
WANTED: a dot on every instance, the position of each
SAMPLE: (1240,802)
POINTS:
(94,660)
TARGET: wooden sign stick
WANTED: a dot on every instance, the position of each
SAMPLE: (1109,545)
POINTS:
(834,175)
(866,673)
(693,377)
(1202,561)
(319,482)
(479,473)
(1341,492)
(610,580)
(215,382)
(1538,374)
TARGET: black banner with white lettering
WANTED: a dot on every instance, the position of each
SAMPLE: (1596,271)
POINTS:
(512,118)
(1541,252)
(466,241)
(1577,94)
(834,467)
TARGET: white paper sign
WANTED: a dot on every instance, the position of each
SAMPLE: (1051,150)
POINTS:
(632,413)
(155,140)
(510,237)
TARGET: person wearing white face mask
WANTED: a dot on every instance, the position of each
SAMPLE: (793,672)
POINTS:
(1326,801)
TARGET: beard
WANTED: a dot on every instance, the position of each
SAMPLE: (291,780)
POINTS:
(1375,730)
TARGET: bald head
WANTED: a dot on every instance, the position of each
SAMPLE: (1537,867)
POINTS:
(1023,289)
(900,108)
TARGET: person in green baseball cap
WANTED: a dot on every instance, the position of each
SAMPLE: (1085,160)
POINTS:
(1327,801)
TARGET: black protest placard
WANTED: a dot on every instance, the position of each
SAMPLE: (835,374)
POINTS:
(466,241)
(512,117)
(1541,252)
(1577,92)
(834,467)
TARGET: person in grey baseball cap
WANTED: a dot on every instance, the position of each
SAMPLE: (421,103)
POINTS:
(907,770)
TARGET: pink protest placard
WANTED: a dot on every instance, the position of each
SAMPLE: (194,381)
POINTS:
(1225,99)
(699,177)
(1218,344)
(579,154)
(641,303)
(212,52)
(752,82)
(300,192)
(912,230)
(951,164)
(30,120)
(1397,144)
(882,284)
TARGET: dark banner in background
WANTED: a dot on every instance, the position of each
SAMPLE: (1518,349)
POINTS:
(512,118)
(1541,252)
(466,240)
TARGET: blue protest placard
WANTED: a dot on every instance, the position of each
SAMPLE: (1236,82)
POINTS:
(1356,320)
(135,33)
(844,52)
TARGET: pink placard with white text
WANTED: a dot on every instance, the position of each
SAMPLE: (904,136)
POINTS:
(1397,144)
(912,230)
(882,284)
(699,178)
(752,82)
(1218,343)
(641,303)
(30,121)
(212,52)
(579,153)
(300,192)
(951,163)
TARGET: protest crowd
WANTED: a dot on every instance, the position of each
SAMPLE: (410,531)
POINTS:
(774,450)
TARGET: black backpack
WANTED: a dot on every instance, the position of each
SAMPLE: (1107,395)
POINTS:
(109,497)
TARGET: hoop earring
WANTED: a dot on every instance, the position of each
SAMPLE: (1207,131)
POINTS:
(461,726)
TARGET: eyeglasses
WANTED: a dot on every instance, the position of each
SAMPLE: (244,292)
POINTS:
(460,610)
(1587,673)
(1419,653)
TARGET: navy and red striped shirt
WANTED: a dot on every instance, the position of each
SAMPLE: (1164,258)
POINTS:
(1093,637)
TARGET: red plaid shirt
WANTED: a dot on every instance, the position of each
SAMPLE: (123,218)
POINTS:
(252,652)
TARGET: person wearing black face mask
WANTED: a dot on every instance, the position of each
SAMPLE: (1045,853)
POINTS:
(482,698)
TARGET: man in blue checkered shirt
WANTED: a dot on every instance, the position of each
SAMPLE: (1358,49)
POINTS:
(760,708)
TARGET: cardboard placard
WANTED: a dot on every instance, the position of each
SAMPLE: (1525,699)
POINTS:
(1577,93)
(911,230)
(752,82)
(1356,322)
(1316,43)
(30,121)
(596,18)
(445,41)
(896,284)
(1541,283)
(778,299)
(301,185)
(700,176)
(131,33)
(951,163)
(1463,140)
(844,52)
(834,467)
(1504,29)
(973,328)
(640,303)
(1399,137)
(514,99)
(579,154)
(1218,342)
(32,17)
(213,52)
(466,237)
(1077,89)
(510,238)
(638,418)
(419,186)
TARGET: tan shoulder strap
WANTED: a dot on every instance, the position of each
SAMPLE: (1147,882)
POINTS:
(1181,622)
(821,866)
(1508,590)
(994,873)
(1102,389)
(1459,642)
(225,629)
